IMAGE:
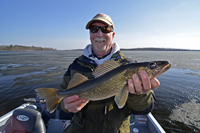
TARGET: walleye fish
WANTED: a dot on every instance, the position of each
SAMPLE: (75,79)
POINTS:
(110,79)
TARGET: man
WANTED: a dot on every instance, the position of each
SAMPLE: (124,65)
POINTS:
(104,115)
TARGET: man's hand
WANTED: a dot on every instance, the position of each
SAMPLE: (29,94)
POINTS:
(74,104)
(135,87)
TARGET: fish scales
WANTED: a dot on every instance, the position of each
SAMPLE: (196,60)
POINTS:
(98,88)
(114,83)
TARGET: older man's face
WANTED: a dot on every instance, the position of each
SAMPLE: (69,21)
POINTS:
(101,42)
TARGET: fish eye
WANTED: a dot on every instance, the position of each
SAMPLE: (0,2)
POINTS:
(152,65)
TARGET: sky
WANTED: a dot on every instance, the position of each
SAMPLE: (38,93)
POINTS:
(60,24)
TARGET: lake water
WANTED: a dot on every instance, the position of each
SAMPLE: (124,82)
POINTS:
(22,72)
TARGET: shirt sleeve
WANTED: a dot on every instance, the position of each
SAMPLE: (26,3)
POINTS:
(141,104)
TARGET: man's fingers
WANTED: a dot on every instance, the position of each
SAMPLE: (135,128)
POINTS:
(137,84)
(84,102)
(154,83)
(136,87)
(145,81)
(71,99)
(74,104)
(131,86)
(73,110)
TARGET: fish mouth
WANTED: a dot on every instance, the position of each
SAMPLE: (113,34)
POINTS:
(161,70)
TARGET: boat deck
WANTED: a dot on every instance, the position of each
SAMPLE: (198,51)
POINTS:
(140,123)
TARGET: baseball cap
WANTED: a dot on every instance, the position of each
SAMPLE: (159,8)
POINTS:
(101,17)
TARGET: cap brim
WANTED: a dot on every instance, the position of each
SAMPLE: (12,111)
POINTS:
(98,19)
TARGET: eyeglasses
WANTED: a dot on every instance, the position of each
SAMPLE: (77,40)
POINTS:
(104,29)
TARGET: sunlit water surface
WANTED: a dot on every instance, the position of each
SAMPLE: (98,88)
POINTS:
(22,72)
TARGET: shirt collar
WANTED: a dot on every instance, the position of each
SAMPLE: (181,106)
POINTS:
(94,55)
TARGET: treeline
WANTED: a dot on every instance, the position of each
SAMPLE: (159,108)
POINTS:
(23,48)
(146,49)
(156,49)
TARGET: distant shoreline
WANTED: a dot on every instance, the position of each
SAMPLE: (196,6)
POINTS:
(34,48)
(157,49)
(145,49)
(23,48)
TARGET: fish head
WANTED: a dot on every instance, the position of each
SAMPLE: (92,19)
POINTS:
(156,68)
(153,68)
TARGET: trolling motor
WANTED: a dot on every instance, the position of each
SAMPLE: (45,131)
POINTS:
(33,100)
(41,106)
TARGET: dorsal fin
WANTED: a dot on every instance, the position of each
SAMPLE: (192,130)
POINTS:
(105,67)
(76,80)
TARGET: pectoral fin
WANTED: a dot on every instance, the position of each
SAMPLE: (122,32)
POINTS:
(121,98)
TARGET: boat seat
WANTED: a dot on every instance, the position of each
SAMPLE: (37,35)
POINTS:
(26,121)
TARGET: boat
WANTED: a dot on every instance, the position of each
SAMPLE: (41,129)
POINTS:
(30,117)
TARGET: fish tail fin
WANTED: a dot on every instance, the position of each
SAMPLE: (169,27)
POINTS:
(51,97)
